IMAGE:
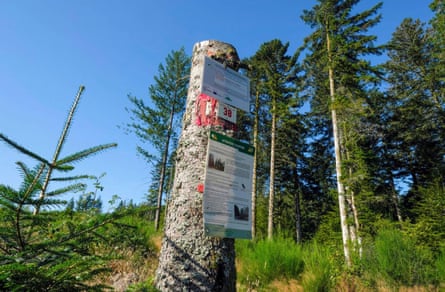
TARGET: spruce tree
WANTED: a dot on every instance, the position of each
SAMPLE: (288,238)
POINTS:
(415,123)
(275,72)
(338,72)
(438,50)
(156,122)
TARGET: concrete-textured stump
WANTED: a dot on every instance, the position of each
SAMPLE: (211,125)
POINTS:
(189,260)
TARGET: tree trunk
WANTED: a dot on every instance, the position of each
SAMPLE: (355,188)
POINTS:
(189,260)
(255,162)
(395,200)
(354,230)
(272,170)
(297,202)
(340,186)
(163,167)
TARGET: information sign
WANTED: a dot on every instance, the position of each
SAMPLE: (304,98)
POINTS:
(225,84)
(228,188)
(226,112)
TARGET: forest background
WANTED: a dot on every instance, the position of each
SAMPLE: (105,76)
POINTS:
(386,121)
(114,49)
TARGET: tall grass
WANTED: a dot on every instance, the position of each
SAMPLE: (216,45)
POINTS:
(318,270)
(440,266)
(267,260)
(399,261)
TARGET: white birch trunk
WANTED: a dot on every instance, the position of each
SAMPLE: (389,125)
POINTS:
(340,186)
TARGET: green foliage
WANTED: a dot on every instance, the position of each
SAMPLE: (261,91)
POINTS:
(42,249)
(146,286)
(397,259)
(266,260)
(338,79)
(132,231)
(157,123)
(67,274)
(414,126)
(280,131)
(318,268)
(429,227)
(329,231)
(440,267)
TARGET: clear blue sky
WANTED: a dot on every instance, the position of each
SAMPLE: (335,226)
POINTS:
(50,47)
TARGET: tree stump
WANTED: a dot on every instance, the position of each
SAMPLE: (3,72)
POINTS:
(189,260)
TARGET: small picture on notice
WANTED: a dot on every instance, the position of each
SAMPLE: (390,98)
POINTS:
(241,212)
(216,162)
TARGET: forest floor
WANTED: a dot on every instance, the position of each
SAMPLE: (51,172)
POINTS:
(129,273)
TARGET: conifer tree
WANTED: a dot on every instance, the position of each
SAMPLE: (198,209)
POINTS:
(274,69)
(38,250)
(336,51)
(415,123)
(156,122)
(438,54)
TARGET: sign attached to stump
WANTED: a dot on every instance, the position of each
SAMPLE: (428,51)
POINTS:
(228,188)
(225,84)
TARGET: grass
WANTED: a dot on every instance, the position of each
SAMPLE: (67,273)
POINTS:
(398,260)
(265,261)
(391,262)
(318,271)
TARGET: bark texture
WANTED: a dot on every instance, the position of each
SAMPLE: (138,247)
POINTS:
(189,260)
(338,167)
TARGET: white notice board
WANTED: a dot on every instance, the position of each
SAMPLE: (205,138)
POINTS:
(228,188)
(225,84)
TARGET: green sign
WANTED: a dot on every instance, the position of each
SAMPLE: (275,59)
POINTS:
(227,195)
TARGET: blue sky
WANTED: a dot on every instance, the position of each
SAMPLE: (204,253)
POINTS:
(48,48)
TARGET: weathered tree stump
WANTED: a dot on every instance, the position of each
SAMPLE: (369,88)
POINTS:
(189,260)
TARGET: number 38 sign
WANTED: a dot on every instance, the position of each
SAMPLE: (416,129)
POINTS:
(226,112)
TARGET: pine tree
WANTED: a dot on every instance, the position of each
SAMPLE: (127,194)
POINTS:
(274,70)
(158,124)
(438,54)
(415,123)
(336,55)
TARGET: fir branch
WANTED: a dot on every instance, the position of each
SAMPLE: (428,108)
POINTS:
(22,149)
(59,146)
(73,188)
(71,178)
(68,123)
(76,157)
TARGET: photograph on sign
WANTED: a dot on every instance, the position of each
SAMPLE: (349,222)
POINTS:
(225,84)
(228,188)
